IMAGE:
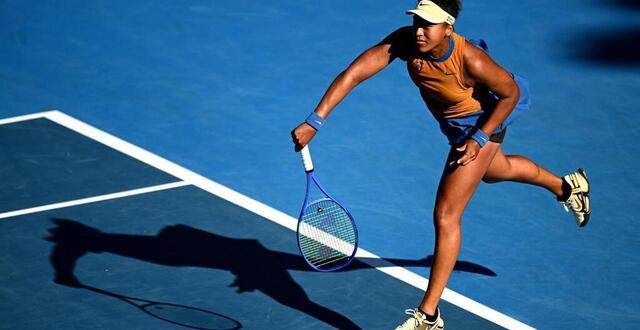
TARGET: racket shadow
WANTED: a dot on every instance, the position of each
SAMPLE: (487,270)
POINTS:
(181,315)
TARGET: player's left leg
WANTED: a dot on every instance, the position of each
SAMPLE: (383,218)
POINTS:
(572,190)
(521,169)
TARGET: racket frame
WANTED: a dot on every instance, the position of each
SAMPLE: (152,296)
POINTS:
(312,180)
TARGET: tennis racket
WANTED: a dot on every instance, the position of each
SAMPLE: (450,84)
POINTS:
(327,234)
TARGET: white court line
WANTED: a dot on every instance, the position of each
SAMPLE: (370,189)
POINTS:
(272,214)
(23,118)
(93,199)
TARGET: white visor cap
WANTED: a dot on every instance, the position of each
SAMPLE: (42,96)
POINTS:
(431,12)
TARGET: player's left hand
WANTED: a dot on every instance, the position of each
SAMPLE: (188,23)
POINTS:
(469,150)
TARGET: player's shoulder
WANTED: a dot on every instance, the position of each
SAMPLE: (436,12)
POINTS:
(474,52)
(400,41)
(404,33)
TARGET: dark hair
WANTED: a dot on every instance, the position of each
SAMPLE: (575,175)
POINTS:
(452,7)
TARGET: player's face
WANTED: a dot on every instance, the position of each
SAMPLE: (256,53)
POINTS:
(430,36)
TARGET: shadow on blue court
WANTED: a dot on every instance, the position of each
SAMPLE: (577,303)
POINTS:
(207,279)
(181,257)
(255,267)
(624,4)
(175,314)
(613,46)
(610,44)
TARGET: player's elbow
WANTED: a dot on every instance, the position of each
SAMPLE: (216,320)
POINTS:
(509,96)
(513,91)
(516,91)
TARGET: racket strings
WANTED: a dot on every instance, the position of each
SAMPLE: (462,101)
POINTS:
(327,234)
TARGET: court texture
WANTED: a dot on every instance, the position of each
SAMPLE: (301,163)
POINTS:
(148,179)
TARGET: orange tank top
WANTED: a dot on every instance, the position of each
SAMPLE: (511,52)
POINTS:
(441,82)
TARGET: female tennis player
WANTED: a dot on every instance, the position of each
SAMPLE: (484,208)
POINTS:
(474,100)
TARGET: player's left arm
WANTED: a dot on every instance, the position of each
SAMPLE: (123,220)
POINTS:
(479,68)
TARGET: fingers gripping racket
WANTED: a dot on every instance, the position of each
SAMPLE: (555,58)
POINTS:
(327,234)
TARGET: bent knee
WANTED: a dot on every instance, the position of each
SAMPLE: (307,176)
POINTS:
(489,179)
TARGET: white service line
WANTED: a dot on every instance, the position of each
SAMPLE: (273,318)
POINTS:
(93,199)
(272,214)
(23,118)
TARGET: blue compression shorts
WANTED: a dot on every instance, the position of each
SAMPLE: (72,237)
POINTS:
(458,130)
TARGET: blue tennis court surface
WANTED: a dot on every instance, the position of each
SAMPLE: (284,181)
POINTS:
(216,87)
(181,246)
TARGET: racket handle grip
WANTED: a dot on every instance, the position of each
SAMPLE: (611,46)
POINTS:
(306,159)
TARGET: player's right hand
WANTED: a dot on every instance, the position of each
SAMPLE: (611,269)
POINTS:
(301,135)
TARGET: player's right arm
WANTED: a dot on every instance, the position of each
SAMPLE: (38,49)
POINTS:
(363,67)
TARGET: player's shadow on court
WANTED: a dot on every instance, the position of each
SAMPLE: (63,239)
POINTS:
(255,266)
(461,266)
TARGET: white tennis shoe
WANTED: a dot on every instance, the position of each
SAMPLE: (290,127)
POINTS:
(578,202)
(418,321)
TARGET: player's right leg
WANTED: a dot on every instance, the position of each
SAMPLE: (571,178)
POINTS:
(418,321)
(457,185)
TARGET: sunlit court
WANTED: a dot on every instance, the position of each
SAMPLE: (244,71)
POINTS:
(148,177)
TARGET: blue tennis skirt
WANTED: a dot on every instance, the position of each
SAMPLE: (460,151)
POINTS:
(458,130)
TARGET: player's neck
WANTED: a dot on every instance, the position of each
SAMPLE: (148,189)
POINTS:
(441,49)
